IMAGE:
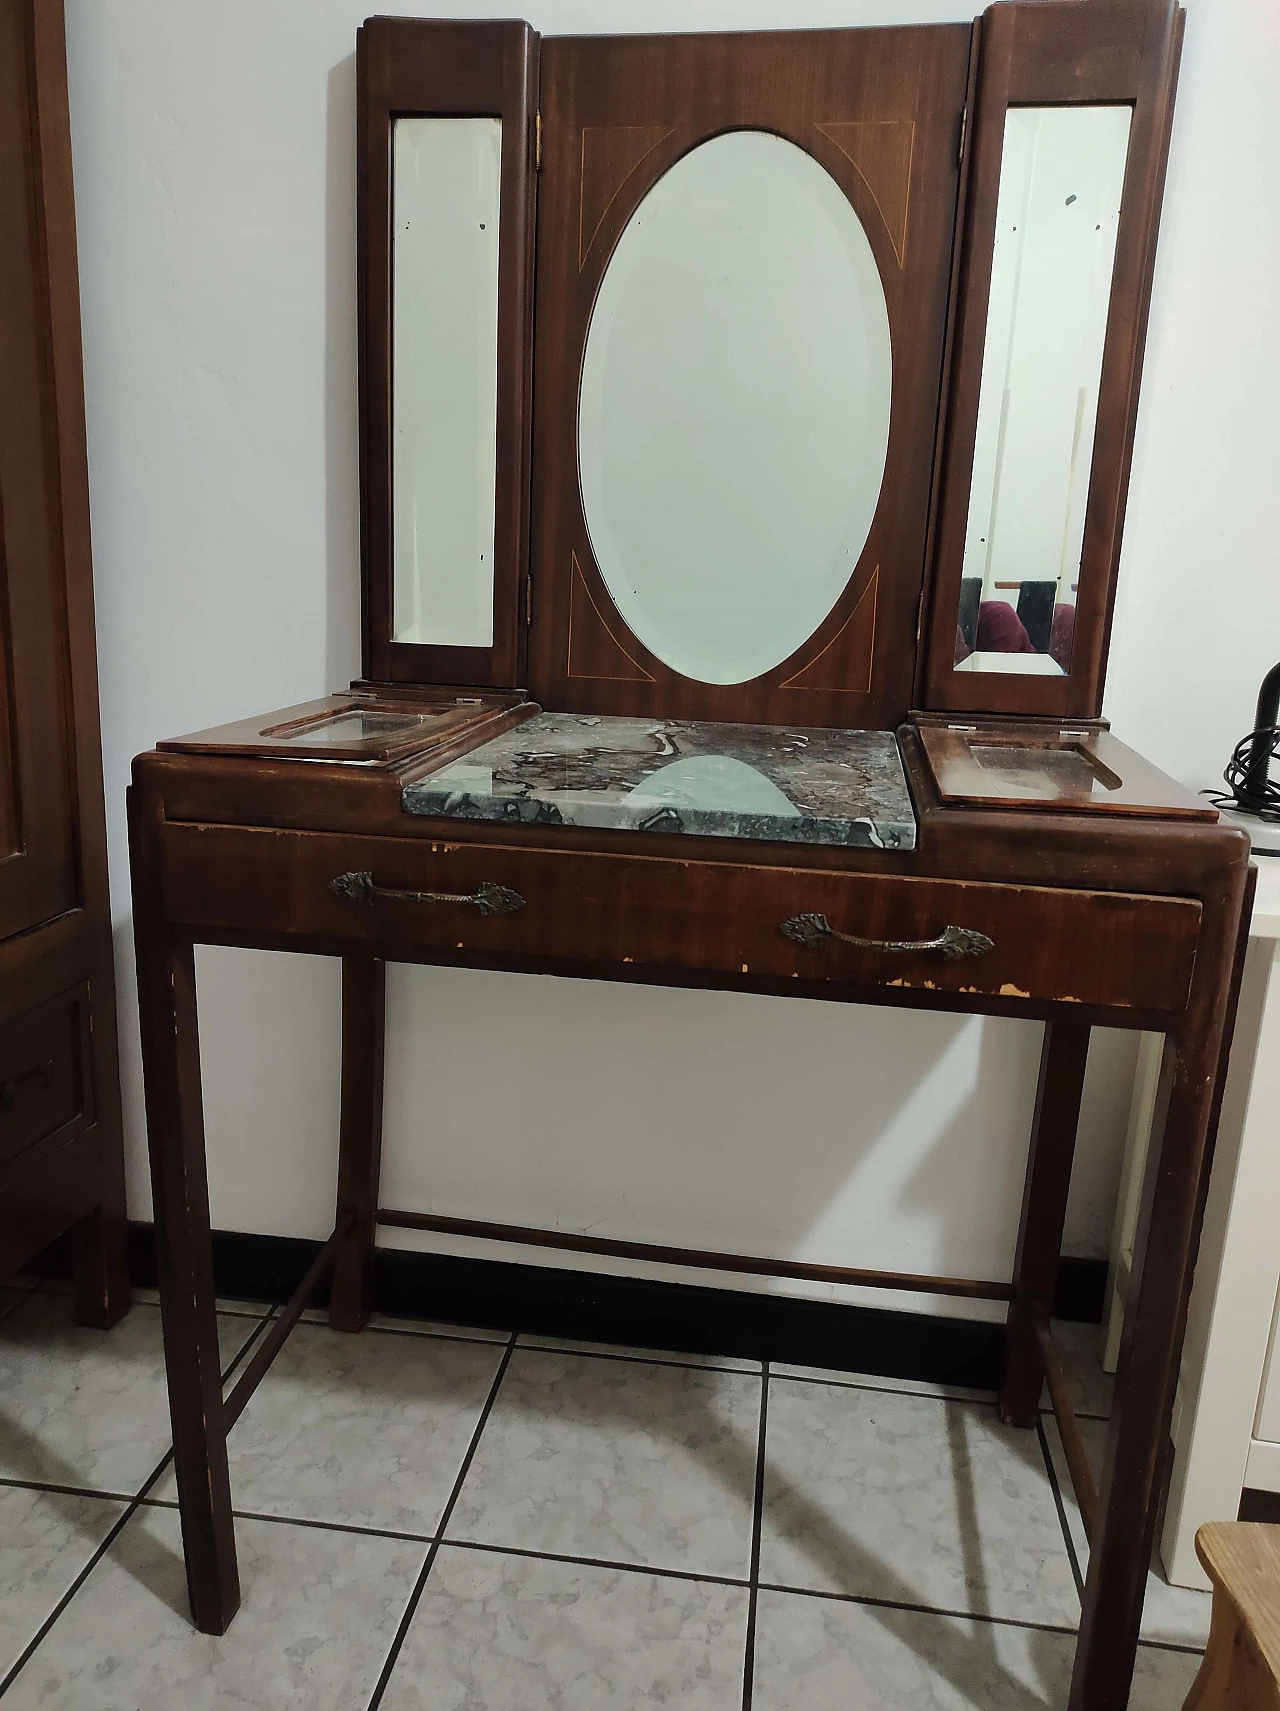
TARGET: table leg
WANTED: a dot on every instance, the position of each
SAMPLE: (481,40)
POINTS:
(360,1136)
(1044,1209)
(1192,1075)
(184,1255)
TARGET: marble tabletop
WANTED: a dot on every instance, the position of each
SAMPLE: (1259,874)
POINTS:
(775,783)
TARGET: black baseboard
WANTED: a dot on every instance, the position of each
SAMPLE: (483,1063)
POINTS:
(557,1302)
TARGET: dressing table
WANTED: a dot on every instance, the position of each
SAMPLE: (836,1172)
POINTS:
(738,413)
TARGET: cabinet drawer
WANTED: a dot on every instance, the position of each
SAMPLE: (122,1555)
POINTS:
(43,1080)
(574,907)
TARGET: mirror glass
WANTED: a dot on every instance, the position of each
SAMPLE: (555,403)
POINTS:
(444,382)
(734,408)
(1061,179)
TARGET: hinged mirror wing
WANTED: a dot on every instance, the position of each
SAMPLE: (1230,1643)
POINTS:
(1068,144)
(446,187)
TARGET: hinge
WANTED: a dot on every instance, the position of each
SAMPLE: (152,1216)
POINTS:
(528,602)
(964,126)
(537,140)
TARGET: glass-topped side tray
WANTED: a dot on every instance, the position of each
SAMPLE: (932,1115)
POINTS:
(1072,768)
(358,726)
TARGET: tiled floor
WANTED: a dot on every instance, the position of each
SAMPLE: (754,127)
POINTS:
(442,1520)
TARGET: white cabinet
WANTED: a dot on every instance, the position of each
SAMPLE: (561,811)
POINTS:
(1226,1423)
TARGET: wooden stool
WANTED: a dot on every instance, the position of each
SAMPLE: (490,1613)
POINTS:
(1241,1668)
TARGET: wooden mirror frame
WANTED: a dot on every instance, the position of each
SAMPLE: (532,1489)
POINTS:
(1023,52)
(1038,54)
(411,67)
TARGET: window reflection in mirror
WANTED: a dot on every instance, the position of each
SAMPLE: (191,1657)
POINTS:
(1061,180)
(444,405)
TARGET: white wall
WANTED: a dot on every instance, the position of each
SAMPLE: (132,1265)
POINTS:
(215,188)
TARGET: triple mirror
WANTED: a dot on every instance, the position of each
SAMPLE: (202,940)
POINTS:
(731,332)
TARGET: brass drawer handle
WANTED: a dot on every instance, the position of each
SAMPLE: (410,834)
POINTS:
(488,899)
(815,930)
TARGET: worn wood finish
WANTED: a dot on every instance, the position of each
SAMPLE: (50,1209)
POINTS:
(366,725)
(676,912)
(1063,1059)
(1241,1669)
(1010,766)
(1116,920)
(1033,54)
(593,899)
(1155,1316)
(55,921)
(364,988)
(617,113)
(184,1254)
(412,66)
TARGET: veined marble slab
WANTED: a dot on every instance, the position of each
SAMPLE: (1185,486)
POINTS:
(774,783)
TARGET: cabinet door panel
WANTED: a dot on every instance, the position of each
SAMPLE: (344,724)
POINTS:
(37,870)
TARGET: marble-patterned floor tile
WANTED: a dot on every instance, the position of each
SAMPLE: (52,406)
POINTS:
(46,1538)
(913,1499)
(1171,1615)
(579,1345)
(873,1381)
(366,1430)
(827,1655)
(618,1460)
(85,1407)
(1089,1387)
(509,1633)
(319,1612)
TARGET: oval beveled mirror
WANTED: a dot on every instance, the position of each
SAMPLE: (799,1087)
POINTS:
(733,417)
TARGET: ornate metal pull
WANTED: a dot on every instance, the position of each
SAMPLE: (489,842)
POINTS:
(488,899)
(814,930)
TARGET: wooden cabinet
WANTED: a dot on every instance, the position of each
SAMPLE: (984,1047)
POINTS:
(60,1143)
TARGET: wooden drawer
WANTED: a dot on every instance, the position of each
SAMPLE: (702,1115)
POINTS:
(43,1072)
(579,908)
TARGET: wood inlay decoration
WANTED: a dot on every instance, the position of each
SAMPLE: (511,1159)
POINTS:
(594,650)
(880,110)
(846,661)
(882,150)
(609,155)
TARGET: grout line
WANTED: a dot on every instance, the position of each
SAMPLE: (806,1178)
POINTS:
(967,1396)
(66,1490)
(355,1527)
(24,1657)
(596,1562)
(696,1363)
(433,1551)
(757,1514)
(1080,1414)
(919,1609)
(1061,1507)
(459,1336)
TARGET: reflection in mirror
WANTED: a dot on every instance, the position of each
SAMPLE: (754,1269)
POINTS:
(1061,180)
(734,408)
(444,383)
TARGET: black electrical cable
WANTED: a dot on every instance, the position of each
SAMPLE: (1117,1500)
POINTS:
(1250,788)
